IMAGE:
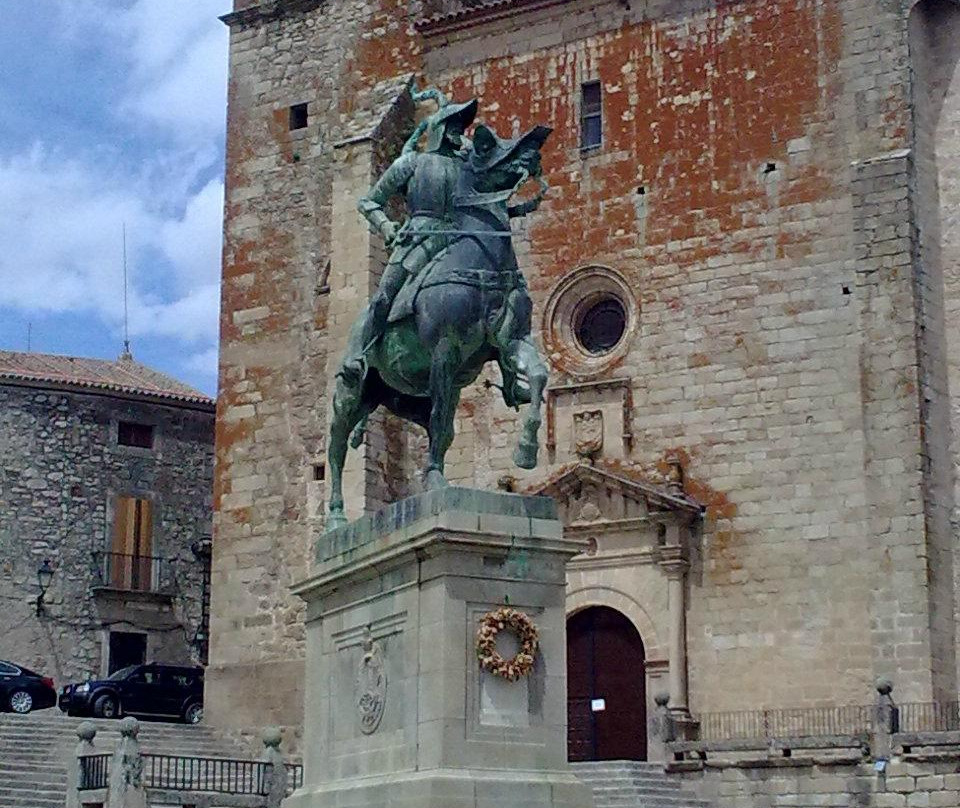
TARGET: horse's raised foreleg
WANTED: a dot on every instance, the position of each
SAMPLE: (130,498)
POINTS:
(444,396)
(349,408)
(524,359)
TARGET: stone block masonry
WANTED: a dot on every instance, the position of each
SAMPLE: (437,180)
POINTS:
(62,471)
(923,782)
(765,191)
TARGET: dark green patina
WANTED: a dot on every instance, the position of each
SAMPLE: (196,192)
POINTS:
(451,297)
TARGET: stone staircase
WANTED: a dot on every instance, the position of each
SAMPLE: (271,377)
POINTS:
(34,750)
(629,784)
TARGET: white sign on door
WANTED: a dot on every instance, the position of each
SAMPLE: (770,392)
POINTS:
(598,705)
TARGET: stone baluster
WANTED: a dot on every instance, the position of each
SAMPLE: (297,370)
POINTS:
(886,720)
(126,769)
(86,733)
(275,779)
(664,726)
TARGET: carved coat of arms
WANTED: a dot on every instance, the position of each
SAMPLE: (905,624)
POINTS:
(588,433)
(371,686)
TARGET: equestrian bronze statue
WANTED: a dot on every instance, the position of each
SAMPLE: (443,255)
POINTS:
(451,297)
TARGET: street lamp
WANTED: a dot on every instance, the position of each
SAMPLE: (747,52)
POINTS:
(44,576)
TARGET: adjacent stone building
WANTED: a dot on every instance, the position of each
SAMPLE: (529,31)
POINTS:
(747,282)
(106,474)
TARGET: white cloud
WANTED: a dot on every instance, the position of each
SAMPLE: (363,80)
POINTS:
(179,75)
(60,223)
(204,362)
(61,212)
(191,99)
(193,242)
(61,230)
(62,209)
(172,57)
(158,31)
(190,317)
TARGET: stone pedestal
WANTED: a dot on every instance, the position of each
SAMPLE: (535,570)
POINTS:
(398,712)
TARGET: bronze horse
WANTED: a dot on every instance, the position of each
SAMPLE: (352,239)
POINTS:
(469,306)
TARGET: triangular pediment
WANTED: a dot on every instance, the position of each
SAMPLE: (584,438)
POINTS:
(592,494)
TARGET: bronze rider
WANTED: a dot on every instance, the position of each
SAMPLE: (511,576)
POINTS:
(428,181)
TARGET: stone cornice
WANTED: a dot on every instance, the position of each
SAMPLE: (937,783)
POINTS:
(267,10)
(627,558)
(634,524)
(476,13)
(673,561)
(661,502)
(353,140)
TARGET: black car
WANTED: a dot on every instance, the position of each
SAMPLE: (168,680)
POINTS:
(22,690)
(156,690)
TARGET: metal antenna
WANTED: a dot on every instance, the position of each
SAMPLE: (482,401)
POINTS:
(126,315)
(29,335)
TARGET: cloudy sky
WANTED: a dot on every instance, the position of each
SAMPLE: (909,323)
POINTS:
(112,112)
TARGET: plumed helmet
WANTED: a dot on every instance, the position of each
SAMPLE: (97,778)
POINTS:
(463,113)
(490,150)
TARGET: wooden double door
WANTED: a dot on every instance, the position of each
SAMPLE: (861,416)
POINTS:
(606,687)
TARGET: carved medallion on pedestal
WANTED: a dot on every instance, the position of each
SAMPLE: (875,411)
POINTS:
(371,686)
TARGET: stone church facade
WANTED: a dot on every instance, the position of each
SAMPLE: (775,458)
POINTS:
(747,283)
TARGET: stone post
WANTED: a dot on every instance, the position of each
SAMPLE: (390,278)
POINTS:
(275,783)
(126,769)
(886,720)
(86,732)
(664,726)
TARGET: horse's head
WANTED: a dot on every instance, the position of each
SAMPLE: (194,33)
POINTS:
(500,164)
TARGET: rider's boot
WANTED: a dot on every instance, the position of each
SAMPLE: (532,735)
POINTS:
(354,368)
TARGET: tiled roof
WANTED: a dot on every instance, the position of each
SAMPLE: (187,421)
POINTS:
(122,376)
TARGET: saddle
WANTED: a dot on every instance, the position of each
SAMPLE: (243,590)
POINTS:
(436,274)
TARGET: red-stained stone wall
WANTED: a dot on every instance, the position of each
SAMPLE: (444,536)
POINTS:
(755,193)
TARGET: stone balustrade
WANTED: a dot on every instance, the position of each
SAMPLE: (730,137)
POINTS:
(128,778)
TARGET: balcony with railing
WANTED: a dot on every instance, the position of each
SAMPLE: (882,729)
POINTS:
(132,573)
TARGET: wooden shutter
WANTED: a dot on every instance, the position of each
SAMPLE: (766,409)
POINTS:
(129,565)
(143,576)
(123,522)
(121,549)
(144,534)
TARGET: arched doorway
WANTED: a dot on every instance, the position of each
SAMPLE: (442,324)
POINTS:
(606,687)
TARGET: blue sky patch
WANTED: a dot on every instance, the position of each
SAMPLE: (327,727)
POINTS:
(113,113)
